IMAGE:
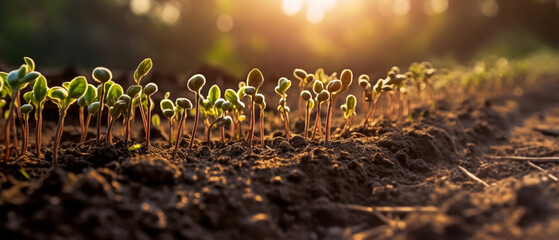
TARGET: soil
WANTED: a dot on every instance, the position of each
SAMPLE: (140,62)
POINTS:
(299,189)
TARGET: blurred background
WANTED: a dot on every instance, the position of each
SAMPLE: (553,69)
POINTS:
(277,36)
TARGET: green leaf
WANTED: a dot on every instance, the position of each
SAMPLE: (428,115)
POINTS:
(306,95)
(77,87)
(26,108)
(231,96)
(150,89)
(323,96)
(155,120)
(93,108)
(143,69)
(214,94)
(300,74)
(57,95)
(102,74)
(166,104)
(283,85)
(317,87)
(218,103)
(260,100)
(169,113)
(250,90)
(113,94)
(226,106)
(40,89)
(346,78)
(30,63)
(255,78)
(137,145)
(90,94)
(28,97)
(334,86)
(3,76)
(196,82)
(133,90)
(184,103)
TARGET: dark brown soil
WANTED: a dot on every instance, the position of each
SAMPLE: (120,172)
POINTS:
(296,189)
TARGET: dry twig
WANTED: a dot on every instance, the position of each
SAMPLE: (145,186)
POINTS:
(472,176)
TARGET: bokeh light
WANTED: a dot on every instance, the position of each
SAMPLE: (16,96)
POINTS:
(224,23)
(140,7)
(489,8)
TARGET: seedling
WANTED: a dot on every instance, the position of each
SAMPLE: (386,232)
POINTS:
(149,90)
(281,89)
(84,101)
(208,109)
(397,81)
(321,96)
(168,109)
(254,81)
(37,98)
(113,95)
(25,111)
(220,121)
(133,92)
(367,90)
(304,80)
(307,97)
(261,101)
(14,82)
(101,75)
(378,89)
(335,88)
(195,84)
(141,71)
(63,97)
(156,120)
(116,111)
(349,111)
(183,104)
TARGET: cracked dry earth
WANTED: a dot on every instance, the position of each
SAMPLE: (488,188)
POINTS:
(391,181)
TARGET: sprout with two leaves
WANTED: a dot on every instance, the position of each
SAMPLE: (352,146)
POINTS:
(335,88)
(261,101)
(101,75)
(321,96)
(169,111)
(37,97)
(281,89)
(236,108)
(195,84)
(63,97)
(118,109)
(397,81)
(141,71)
(25,111)
(304,80)
(84,102)
(133,92)
(219,122)
(349,111)
(149,90)
(14,82)
(307,97)
(113,95)
(254,81)
(207,106)
(183,105)
(377,90)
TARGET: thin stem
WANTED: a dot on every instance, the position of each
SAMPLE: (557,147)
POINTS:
(195,122)
(179,133)
(170,131)
(347,125)
(20,117)
(14,128)
(299,102)
(262,142)
(25,136)
(371,112)
(101,104)
(286,122)
(222,133)
(251,128)
(86,127)
(82,124)
(317,124)
(7,126)
(126,128)
(39,128)
(329,118)
(307,120)
(58,137)
(208,134)
(147,124)
(109,122)
(109,135)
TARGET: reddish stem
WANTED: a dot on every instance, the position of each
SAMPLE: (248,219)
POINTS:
(101,105)
(58,137)
(179,133)
(195,122)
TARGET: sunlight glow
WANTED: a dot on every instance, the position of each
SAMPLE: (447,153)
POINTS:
(292,7)
(435,6)
(170,12)
(489,8)
(140,7)
(224,23)
(315,15)
(401,7)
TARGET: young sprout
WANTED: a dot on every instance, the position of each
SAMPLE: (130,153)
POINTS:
(207,105)
(118,109)
(141,71)
(378,89)
(149,90)
(349,111)
(183,104)
(321,96)
(37,98)
(281,89)
(14,82)
(195,84)
(168,109)
(101,75)
(397,81)
(25,111)
(261,101)
(367,89)
(307,97)
(335,88)
(84,101)
(304,80)
(133,92)
(254,81)
(220,121)
(63,97)
(113,95)
(220,112)
(234,106)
